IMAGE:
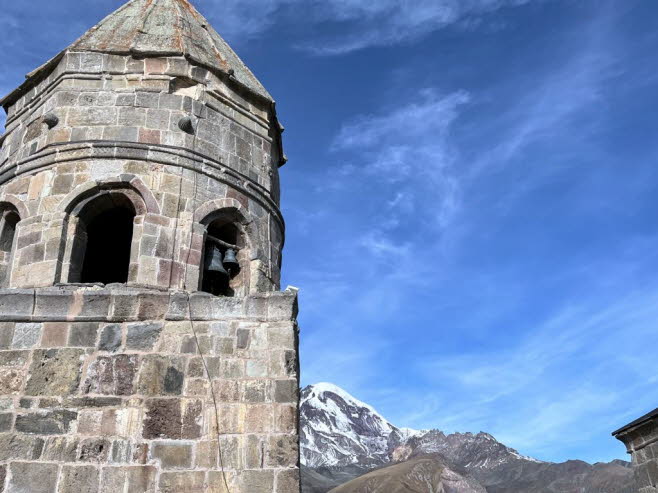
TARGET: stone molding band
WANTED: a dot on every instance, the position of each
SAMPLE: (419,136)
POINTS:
(68,303)
(59,153)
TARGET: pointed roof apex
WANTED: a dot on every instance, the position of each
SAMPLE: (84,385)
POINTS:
(155,28)
(167,28)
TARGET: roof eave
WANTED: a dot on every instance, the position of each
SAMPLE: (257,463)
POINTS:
(638,422)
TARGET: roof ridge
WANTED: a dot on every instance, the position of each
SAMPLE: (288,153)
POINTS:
(159,28)
(180,37)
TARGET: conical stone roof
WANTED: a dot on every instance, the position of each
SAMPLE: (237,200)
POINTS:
(154,28)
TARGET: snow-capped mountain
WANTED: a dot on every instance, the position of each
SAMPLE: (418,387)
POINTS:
(342,438)
(338,430)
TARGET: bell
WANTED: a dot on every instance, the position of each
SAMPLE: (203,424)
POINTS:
(213,261)
(230,261)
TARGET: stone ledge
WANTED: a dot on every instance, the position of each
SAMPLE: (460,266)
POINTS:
(126,304)
(58,153)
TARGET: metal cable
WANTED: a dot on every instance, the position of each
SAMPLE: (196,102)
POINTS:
(220,454)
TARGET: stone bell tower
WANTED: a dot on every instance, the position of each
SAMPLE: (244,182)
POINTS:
(144,343)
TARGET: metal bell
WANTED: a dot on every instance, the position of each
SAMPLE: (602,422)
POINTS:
(230,260)
(214,262)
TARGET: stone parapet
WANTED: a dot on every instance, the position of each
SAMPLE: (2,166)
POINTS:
(121,303)
(114,389)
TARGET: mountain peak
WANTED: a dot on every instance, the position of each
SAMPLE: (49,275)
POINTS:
(340,429)
(343,437)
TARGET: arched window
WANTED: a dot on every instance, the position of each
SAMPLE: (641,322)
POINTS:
(223,272)
(103,239)
(8,221)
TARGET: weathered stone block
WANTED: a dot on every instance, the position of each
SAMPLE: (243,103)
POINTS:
(206,455)
(60,449)
(223,482)
(143,335)
(257,368)
(163,419)
(6,334)
(52,305)
(189,482)
(92,401)
(32,477)
(46,422)
(79,479)
(124,306)
(110,339)
(173,418)
(83,334)
(94,450)
(286,391)
(26,335)
(95,305)
(257,480)
(14,358)
(285,418)
(19,447)
(111,375)
(244,336)
(255,391)
(153,306)
(282,306)
(54,372)
(232,452)
(173,455)
(113,479)
(16,304)
(6,421)
(91,116)
(258,418)
(160,375)
(55,334)
(141,479)
(287,481)
(282,450)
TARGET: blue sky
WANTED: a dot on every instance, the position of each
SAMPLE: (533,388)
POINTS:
(470,199)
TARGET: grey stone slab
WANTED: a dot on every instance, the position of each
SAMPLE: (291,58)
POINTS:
(110,338)
(143,335)
(32,477)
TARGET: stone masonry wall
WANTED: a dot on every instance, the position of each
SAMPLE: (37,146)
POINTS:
(117,123)
(104,389)
(641,440)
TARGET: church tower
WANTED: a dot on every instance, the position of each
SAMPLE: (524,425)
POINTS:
(145,345)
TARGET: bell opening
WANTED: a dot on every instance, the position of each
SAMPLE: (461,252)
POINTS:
(221,266)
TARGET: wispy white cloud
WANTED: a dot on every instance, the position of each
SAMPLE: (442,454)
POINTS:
(408,149)
(362,23)
(565,366)
(546,384)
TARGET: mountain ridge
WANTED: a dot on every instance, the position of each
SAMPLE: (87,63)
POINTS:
(344,438)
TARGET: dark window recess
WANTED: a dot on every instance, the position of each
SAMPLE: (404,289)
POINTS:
(107,255)
(8,222)
(218,275)
(8,231)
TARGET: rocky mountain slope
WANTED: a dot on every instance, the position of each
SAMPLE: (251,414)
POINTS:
(343,438)
(426,473)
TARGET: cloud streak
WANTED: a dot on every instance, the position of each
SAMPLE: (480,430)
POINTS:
(362,23)
(408,151)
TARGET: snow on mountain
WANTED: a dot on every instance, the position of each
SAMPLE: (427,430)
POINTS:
(339,430)
(343,438)
(473,451)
